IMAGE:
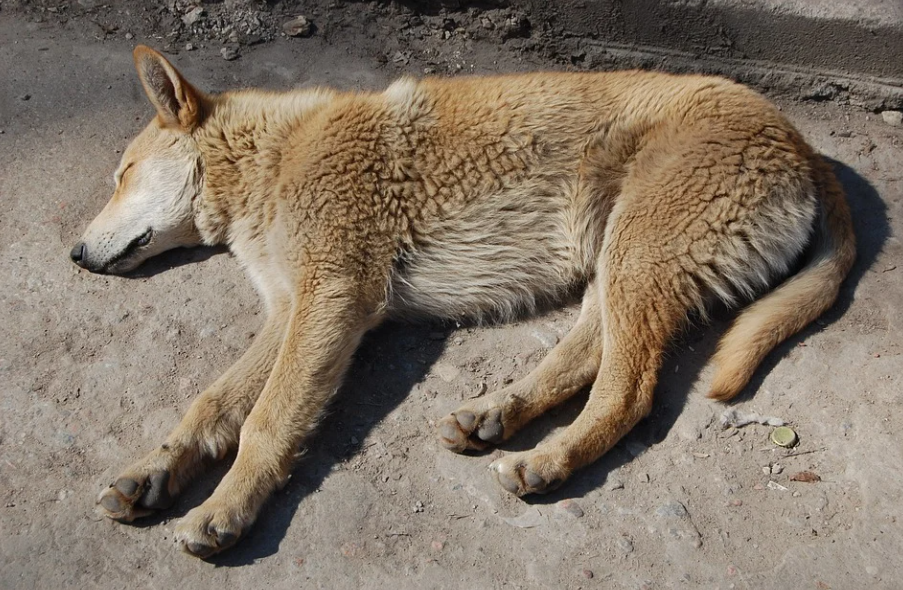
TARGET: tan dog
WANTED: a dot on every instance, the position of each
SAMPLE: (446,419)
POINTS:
(474,197)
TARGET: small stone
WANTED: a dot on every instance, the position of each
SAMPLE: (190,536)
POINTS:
(192,16)
(588,574)
(25,97)
(635,448)
(644,477)
(189,47)
(805,477)
(766,470)
(516,26)
(229,53)
(777,469)
(893,118)
(298,27)
(571,507)
(672,508)
(625,545)
(418,507)
(447,372)
(758,486)
(129,36)
(437,545)
(735,503)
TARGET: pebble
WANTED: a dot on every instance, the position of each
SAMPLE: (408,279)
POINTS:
(588,574)
(192,16)
(893,118)
(298,27)
(571,507)
(625,545)
(229,53)
(189,47)
(418,507)
(805,477)
(446,372)
(672,508)
(644,477)
(25,97)
(635,448)
(437,545)
(129,36)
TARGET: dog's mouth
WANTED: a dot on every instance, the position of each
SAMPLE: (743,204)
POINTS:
(121,262)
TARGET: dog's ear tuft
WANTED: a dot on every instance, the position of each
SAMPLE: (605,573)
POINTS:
(178,103)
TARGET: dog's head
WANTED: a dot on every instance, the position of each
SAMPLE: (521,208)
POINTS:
(158,180)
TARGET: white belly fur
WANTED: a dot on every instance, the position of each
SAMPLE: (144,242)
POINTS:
(501,256)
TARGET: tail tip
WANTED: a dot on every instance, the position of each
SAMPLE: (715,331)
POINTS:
(727,385)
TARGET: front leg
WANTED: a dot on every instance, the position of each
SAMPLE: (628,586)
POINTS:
(327,322)
(208,430)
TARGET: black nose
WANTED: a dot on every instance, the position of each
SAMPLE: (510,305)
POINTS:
(78,254)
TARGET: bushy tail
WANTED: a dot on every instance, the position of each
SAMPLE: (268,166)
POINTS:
(796,302)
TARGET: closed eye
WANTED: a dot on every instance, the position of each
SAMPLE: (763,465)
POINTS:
(119,177)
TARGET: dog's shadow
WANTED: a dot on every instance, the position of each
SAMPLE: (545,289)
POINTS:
(173,259)
(362,402)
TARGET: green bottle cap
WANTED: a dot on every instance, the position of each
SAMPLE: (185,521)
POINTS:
(783,436)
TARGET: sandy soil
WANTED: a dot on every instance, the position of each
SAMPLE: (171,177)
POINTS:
(95,370)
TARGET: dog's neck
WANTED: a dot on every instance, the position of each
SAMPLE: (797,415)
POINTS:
(242,143)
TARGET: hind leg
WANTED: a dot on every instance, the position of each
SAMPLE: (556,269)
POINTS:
(640,311)
(208,430)
(571,366)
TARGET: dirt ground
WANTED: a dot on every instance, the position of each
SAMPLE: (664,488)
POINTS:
(94,370)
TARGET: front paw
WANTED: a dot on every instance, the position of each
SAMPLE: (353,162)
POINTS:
(530,472)
(211,528)
(135,495)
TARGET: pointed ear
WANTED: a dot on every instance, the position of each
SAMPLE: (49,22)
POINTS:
(178,103)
